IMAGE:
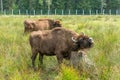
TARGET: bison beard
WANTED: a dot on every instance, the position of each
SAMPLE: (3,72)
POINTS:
(57,41)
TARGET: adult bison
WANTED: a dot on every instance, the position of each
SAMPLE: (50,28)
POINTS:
(59,42)
(40,24)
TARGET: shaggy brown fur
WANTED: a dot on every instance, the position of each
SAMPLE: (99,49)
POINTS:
(40,24)
(57,41)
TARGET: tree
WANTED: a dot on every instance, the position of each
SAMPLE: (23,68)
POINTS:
(95,4)
(49,2)
(59,4)
(40,4)
(1,3)
(84,4)
(103,5)
(23,4)
(8,4)
(113,4)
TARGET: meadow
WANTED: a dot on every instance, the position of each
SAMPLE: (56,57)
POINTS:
(15,51)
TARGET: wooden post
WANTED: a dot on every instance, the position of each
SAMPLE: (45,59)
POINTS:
(90,11)
(12,11)
(62,12)
(103,12)
(69,11)
(48,12)
(26,12)
(34,12)
(76,11)
(55,11)
(19,12)
(83,12)
(110,12)
(116,12)
(41,12)
(96,12)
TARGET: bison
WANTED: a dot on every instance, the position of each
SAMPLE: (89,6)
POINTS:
(59,42)
(40,24)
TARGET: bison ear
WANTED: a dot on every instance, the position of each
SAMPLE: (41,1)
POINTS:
(80,37)
(33,25)
(57,22)
(82,34)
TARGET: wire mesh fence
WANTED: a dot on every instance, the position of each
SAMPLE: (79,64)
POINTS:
(60,12)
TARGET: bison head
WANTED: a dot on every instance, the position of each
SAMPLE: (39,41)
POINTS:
(29,27)
(82,42)
(57,24)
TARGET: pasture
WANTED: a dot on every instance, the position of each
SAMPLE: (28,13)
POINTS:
(15,51)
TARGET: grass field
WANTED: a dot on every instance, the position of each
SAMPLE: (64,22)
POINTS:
(15,52)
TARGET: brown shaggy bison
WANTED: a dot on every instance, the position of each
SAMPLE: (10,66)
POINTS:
(40,24)
(59,42)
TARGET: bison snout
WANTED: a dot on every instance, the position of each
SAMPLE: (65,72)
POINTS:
(91,42)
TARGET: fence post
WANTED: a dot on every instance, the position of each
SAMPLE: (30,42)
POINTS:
(55,11)
(96,12)
(76,12)
(83,12)
(90,11)
(41,11)
(116,12)
(103,12)
(26,12)
(110,12)
(48,12)
(4,12)
(34,12)
(19,12)
(62,11)
(12,11)
(69,11)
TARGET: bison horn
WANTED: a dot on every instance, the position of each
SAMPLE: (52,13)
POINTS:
(74,40)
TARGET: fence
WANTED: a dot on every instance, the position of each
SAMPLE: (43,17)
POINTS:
(60,12)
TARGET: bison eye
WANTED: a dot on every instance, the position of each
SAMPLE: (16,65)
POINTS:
(80,39)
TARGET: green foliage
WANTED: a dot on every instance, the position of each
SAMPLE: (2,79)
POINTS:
(67,73)
(113,4)
(60,4)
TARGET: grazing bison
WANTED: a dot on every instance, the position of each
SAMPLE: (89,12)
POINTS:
(59,42)
(41,24)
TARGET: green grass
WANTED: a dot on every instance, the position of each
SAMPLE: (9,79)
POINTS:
(15,52)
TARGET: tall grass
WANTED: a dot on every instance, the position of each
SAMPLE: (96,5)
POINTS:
(15,52)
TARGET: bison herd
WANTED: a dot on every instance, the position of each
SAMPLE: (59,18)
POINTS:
(48,37)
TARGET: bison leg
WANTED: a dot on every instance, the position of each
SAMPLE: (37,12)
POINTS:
(59,57)
(41,58)
(34,54)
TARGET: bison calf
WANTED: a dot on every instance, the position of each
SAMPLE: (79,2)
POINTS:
(41,24)
(59,42)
